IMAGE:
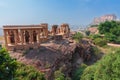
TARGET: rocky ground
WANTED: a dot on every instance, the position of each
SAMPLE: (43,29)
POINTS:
(44,56)
(53,55)
(56,54)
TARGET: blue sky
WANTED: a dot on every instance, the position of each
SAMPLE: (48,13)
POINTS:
(74,12)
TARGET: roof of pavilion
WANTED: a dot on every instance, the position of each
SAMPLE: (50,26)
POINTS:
(23,26)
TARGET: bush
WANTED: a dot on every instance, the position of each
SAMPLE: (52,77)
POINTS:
(110,37)
(100,42)
(87,33)
(97,51)
(59,75)
(8,65)
(94,36)
(108,68)
(78,36)
(77,74)
(28,73)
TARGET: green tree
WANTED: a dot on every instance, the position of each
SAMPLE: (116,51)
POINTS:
(110,37)
(10,69)
(111,30)
(8,65)
(107,26)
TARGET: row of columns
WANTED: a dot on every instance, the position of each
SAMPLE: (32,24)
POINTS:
(19,36)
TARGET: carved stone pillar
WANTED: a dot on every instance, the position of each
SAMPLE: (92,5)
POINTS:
(31,36)
(47,32)
(15,33)
(5,36)
(38,33)
(21,36)
(43,35)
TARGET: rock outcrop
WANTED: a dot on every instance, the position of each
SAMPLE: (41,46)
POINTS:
(70,59)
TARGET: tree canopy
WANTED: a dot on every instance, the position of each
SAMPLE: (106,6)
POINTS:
(111,30)
(7,65)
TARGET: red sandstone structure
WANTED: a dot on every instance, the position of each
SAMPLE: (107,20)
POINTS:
(30,36)
(24,36)
(60,30)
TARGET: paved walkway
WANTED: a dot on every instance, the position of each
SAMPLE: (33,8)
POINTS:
(114,45)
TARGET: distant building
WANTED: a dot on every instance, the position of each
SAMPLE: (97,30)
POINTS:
(108,17)
(93,30)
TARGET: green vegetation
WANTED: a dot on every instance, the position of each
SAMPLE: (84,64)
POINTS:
(78,36)
(87,33)
(8,65)
(108,49)
(77,74)
(27,73)
(97,52)
(59,75)
(94,36)
(10,69)
(98,40)
(108,68)
(111,30)
(94,25)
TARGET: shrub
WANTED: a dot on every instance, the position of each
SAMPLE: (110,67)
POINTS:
(7,65)
(110,37)
(108,68)
(77,74)
(100,42)
(87,33)
(94,36)
(59,75)
(28,73)
(78,36)
(97,51)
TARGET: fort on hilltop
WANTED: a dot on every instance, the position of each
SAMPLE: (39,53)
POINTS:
(108,17)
